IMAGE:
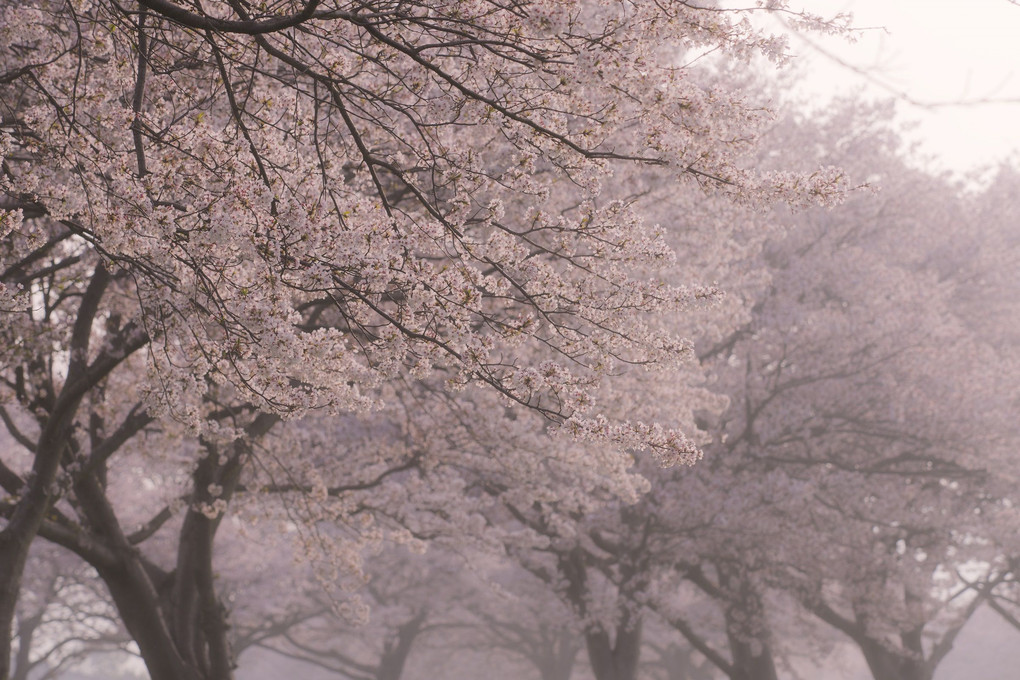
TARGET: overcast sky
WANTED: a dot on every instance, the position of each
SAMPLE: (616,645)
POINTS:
(933,51)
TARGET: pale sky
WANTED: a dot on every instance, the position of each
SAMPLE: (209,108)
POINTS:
(933,51)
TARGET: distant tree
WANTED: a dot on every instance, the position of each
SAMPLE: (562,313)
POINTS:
(603,558)
(865,421)
(409,597)
(980,259)
(860,471)
(521,617)
(64,617)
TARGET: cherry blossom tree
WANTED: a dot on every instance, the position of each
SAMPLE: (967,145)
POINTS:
(219,219)
(410,598)
(851,475)
(601,559)
(529,622)
(979,257)
(865,420)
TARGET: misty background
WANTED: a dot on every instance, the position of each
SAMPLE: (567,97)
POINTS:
(859,430)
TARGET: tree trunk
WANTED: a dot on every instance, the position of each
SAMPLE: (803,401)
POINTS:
(177,621)
(752,661)
(885,664)
(396,650)
(175,618)
(619,660)
(610,660)
(14,543)
(23,665)
(134,586)
(558,656)
(747,629)
(137,601)
(27,517)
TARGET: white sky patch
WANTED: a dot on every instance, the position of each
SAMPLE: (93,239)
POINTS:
(962,58)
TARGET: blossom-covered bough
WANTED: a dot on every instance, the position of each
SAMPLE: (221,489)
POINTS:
(862,473)
(217,216)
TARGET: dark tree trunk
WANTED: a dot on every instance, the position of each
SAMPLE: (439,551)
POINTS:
(14,543)
(886,664)
(397,649)
(176,618)
(25,520)
(137,601)
(747,629)
(135,587)
(610,659)
(752,662)
(615,660)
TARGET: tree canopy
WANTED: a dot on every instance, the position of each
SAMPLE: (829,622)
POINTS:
(322,277)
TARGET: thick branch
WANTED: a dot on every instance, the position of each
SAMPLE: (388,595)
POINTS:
(190,19)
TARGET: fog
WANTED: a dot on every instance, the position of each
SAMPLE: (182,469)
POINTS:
(524,341)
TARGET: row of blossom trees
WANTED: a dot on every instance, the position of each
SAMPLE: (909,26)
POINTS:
(863,472)
(230,230)
(295,291)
